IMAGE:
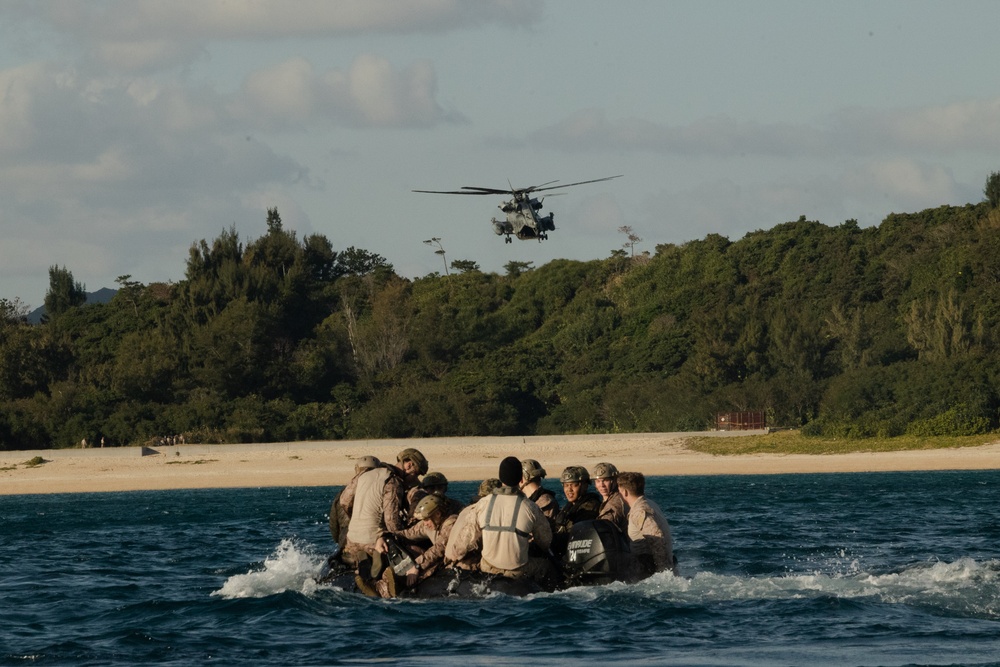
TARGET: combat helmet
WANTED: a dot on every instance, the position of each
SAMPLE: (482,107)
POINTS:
(433,479)
(488,485)
(604,471)
(427,506)
(411,454)
(575,474)
(532,469)
(368,462)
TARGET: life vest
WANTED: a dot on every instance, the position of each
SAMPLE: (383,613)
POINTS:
(507,521)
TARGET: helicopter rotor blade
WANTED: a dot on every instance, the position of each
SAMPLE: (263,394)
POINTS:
(467,191)
(533,188)
(492,191)
(568,185)
(511,190)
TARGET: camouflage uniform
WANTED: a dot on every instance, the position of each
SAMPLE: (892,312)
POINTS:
(376,510)
(341,509)
(413,496)
(451,506)
(414,492)
(462,550)
(584,509)
(546,501)
(615,510)
(650,535)
(433,555)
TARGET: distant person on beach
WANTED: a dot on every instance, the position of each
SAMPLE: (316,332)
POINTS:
(532,474)
(613,507)
(647,527)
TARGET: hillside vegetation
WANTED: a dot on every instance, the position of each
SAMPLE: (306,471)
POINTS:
(846,332)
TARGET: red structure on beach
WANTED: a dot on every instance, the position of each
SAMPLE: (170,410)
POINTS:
(740,421)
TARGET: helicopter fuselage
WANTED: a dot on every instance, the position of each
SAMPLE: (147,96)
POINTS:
(523,220)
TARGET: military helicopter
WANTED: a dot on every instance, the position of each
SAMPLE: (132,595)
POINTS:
(524,219)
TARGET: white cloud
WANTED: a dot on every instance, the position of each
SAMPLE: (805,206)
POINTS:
(597,214)
(271,18)
(282,93)
(16,123)
(61,131)
(386,98)
(865,192)
(145,55)
(142,35)
(111,176)
(118,174)
(715,136)
(937,130)
(900,180)
(369,93)
(972,125)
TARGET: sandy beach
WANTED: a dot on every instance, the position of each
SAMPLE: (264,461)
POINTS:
(332,463)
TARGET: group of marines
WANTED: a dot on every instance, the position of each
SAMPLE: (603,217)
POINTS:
(514,526)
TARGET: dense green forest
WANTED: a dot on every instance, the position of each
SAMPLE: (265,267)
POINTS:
(843,331)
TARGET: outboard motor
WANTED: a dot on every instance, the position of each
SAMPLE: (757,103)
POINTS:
(597,553)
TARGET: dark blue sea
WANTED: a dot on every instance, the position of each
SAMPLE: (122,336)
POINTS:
(832,569)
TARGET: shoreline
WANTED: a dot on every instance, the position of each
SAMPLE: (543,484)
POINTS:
(331,463)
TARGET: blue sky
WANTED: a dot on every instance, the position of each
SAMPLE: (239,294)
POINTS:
(131,129)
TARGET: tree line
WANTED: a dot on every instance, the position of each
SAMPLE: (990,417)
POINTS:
(840,330)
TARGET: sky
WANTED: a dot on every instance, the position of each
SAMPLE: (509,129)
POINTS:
(131,129)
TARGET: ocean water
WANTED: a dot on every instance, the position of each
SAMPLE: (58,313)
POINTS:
(846,569)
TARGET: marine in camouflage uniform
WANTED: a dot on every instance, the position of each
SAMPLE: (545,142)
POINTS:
(648,529)
(343,504)
(412,464)
(463,549)
(532,474)
(431,532)
(379,506)
(582,504)
(510,522)
(613,507)
(436,482)
(615,510)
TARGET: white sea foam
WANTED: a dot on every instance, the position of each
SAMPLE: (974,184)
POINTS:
(291,567)
(964,586)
